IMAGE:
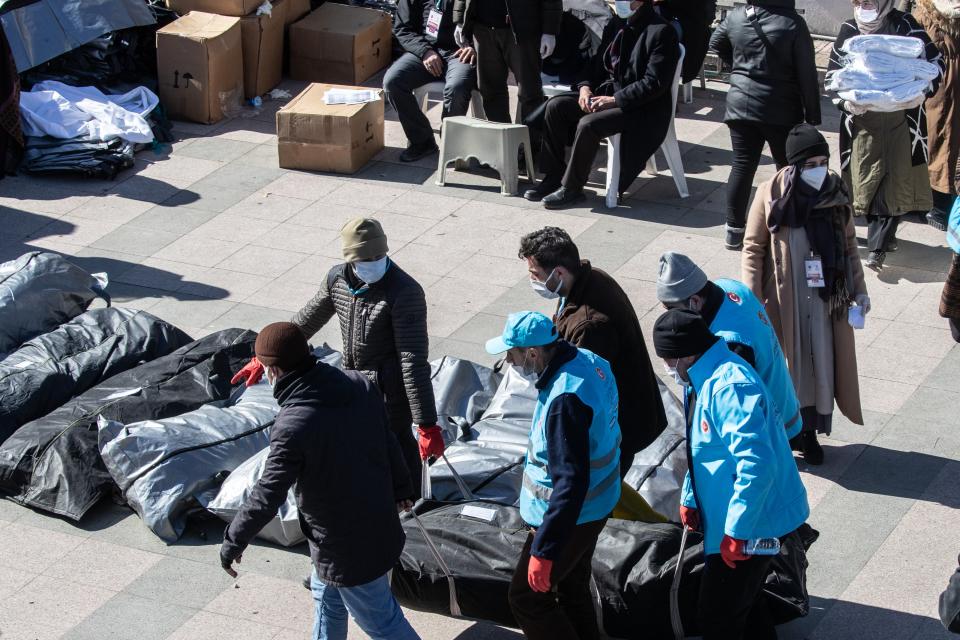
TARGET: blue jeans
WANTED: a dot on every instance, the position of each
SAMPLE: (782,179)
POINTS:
(372,605)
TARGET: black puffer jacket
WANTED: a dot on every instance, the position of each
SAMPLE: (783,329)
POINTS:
(528,18)
(331,438)
(384,336)
(775,84)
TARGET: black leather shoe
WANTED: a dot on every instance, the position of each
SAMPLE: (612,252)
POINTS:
(875,260)
(562,198)
(937,219)
(416,151)
(540,191)
(812,451)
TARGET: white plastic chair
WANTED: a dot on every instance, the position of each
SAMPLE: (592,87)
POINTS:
(670,148)
(496,144)
(422,94)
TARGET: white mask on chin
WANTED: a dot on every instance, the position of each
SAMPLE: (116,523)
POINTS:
(948,8)
(372,271)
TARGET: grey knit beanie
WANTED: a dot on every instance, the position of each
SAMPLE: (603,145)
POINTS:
(679,278)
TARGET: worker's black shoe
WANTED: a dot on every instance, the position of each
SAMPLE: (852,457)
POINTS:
(417,151)
(562,198)
(937,219)
(541,191)
(875,260)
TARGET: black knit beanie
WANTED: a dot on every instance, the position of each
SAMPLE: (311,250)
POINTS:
(281,344)
(804,142)
(679,333)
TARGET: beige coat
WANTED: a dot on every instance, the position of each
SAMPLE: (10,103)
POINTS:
(765,261)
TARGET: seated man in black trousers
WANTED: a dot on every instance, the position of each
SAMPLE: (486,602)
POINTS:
(627,91)
(424,28)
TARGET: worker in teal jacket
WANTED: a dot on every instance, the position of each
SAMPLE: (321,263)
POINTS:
(571,478)
(743,483)
(732,312)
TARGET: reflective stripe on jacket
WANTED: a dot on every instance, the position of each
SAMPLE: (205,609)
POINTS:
(747,483)
(741,318)
(589,377)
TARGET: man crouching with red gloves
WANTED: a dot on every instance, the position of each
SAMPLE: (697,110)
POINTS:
(742,485)
(383,321)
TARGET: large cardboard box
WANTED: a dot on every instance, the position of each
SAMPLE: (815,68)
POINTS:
(318,137)
(262,38)
(235,8)
(200,66)
(340,43)
(296,9)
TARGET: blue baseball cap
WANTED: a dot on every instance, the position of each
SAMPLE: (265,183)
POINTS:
(524,329)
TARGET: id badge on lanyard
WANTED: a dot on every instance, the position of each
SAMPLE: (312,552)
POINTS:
(814,268)
(433,21)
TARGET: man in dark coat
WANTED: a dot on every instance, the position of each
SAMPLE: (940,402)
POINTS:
(331,438)
(383,320)
(596,314)
(627,91)
(424,28)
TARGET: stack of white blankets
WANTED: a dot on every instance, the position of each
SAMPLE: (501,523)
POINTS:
(883,73)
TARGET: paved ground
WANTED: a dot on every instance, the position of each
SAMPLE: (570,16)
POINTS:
(214,235)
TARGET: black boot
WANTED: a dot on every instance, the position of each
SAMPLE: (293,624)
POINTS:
(562,198)
(811,449)
(542,190)
(417,151)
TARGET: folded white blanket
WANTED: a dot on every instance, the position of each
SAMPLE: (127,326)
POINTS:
(904,96)
(878,63)
(858,78)
(902,46)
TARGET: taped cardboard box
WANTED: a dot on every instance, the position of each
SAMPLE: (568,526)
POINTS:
(235,8)
(319,137)
(340,43)
(199,66)
(262,38)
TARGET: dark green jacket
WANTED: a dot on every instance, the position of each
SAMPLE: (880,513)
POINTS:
(527,17)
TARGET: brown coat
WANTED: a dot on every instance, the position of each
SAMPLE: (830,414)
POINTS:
(943,107)
(765,262)
(597,315)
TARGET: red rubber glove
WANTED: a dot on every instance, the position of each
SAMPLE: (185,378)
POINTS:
(731,550)
(690,518)
(252,372)
(538,574)
(430,440)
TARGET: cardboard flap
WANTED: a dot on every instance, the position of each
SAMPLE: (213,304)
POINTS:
(199,26)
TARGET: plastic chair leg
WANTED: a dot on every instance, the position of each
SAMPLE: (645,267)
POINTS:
(651,166)
(613,171)
(687,93)
(671,150)
(442,161)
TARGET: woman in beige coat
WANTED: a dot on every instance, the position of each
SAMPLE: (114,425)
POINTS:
(800,258)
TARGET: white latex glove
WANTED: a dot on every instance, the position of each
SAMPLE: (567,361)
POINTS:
(547,44)
(863,300)
(458,35)
(854,109)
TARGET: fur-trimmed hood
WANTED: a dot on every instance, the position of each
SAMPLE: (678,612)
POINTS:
(926,12)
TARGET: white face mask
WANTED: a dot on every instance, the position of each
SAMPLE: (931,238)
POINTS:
(271,376)
(371,272)
(622,8)
(865,15)
(814,177)
(674,373)
(544,291)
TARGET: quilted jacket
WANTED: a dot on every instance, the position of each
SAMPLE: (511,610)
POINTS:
(384,328)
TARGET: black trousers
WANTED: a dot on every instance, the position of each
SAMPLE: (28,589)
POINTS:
(881,231)
(565,120)
(566,611)
(747,139)
(498,53)
(731,605)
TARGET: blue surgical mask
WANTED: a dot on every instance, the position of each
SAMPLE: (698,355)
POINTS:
(622,8)
(814,177)
(372,271)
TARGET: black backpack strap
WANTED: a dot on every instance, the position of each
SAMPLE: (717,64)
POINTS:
(755,21)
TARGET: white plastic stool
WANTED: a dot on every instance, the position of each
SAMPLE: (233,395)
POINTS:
(670,148)
(422,94)
(495,144)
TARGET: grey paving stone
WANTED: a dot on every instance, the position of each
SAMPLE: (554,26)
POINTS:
(240,174)
(199,250)
(146,189)
(213,626)
(938,405)
(873,423)
(191,311)
(178,220)
(135,240)
(219,149)
(248,316)
(946,374)
(478,329)
(208,196)
(56,602)
(103,564)
(611,242)
(261,261)
(263,155)
(263,205)
(388,172)
(848,620)
(519,297)
(182,583)
(126,617)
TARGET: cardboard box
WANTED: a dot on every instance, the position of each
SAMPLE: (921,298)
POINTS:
(199,64)
(235,8)
(262,38)
(296,9)
(340,43)
(318,137)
